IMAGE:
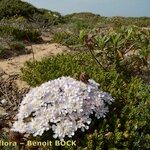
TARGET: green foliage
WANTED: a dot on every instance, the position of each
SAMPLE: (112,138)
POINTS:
(122,51)
(93,20)
(127,124)
(65,38)
(81,24)
(64,64)
(20,33)
(122,21)
(127,49)
(47,17)
(80,21)
(17,8)
(16,46)
(10,8)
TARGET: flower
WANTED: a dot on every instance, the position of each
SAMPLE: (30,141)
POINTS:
(63,105)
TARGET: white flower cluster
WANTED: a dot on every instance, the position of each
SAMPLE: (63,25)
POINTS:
(62,105)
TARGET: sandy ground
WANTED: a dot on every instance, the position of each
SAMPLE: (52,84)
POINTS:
(12,66)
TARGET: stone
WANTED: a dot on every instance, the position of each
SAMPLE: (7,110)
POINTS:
(3,102)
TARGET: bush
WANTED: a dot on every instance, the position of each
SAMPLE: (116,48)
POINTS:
(10,8)
(20,33)
(127,49)
(68,39)
(80,21)
(14,48)
(127,124)
(47,17)
(17,8)
(17,46)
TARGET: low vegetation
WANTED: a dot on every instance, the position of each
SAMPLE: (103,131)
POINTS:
(10,8)
(114,51)
(127,124)
(14,48)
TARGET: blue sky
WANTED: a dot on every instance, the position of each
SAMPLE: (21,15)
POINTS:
(132,8)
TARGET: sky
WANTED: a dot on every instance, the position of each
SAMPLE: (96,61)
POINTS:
(128,8)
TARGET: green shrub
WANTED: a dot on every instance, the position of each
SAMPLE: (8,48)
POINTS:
(47,17)
(20,33)
(80,25)
(126,125)
(26,34)
(127,49)
(80,21)
(125,21)
(65,38)
(64,64)
(10,8)
(17,8)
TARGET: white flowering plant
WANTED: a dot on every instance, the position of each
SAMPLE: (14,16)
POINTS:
(63,105)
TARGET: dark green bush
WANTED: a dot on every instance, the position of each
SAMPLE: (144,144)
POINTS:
(10,8)
(47,17)
(20,33)
(26,34)
(126,125)
(18,8)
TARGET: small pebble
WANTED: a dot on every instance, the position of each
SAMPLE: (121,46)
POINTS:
(3,101)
